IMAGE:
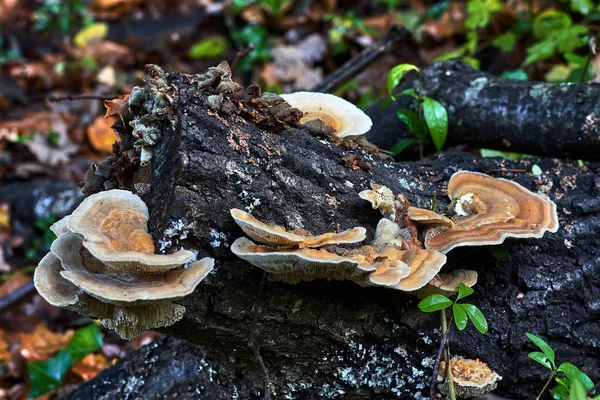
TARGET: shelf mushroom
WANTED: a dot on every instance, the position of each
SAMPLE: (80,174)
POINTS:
(103,265)
(471,378)
(489,210)
(293,259)
(344,117)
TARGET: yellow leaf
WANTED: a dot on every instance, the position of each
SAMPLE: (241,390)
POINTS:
(91,34)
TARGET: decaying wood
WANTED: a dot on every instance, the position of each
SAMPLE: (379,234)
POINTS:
(552,120)
(334,339)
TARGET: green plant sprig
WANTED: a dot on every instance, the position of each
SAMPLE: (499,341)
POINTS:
(574,385)
(431,118)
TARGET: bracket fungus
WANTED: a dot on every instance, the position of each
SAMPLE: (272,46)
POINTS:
(489,210)
(344,117)
(103,265)
(299,257)
(471,378)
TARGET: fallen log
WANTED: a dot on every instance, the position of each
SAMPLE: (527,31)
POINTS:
(551,120)
(334,339)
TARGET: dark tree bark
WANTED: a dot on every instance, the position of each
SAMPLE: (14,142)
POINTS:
(334,339)
(487,111)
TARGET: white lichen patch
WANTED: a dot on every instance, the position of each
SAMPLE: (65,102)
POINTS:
(568,243)
(219,238)
(349,184)
(251,202)
(176,231)
(472,93)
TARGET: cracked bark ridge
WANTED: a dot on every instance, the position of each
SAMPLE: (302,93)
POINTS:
(334,339)
(555,120)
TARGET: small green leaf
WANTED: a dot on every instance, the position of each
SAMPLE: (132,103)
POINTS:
(582,6)
(540,358)
(536,170)
(476,317)
(464,291)
(545,347)
(575,374)
(86,340)
(460,316)
(504,154)
(577,391)
(561,390)
(500,251)
(209,48)
(395,75)
(575,58)
(434,302)
(409,92)
(580,163)
(506,42)
(401,145)
(415,124)
(517,75)
(91,34)
(436,118)
(49,374)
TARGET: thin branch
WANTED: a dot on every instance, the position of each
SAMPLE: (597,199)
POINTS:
(72,97)
(396,36)
(240,55)
(436,366)
(16,295)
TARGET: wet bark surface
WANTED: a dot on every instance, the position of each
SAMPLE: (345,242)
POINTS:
(487,111)
(334,339)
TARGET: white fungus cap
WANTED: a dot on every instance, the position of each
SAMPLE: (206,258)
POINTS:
(344,117)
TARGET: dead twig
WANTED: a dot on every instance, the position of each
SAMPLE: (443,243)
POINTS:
(16,295)
(240,55)
(436,366)
(72,97)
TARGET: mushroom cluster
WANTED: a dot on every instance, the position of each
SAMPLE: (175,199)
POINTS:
(102,265)
(471,378)
(485,210)
(299,256)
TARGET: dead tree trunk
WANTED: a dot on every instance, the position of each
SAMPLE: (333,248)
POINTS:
(334,339)
(551,120)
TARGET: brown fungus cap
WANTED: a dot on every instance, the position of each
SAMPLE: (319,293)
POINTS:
(59,228)
(278,237)
(423,264)
(381,198)
(489,210)
(113,225)
(471,378)
(447,284)
(306,264)
(344,117)
(426,217)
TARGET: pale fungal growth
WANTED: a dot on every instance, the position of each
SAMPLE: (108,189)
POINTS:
(426,217)
(383,264)
(344,117)
(471,378)
(489,210)
(102,266)
(278,237)
(381,198)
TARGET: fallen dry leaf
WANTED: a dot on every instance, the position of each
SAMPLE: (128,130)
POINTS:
(4,348)
(4,217)
(13,282)
(101,135)
(117,107)
(43,343)
(51,153)
(90,366)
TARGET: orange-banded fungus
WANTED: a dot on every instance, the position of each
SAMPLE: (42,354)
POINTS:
(130,297)
(426,217)
(471,378)
(424,266)
(306,264)
(113,225)
(278,237)
(344,117)
(489,210)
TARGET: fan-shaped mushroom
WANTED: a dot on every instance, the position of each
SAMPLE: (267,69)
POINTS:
(277,235)
(447,284)
(427,217)
(489,210)
(131,297)
(344,117)
(471,378)
(113,225)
